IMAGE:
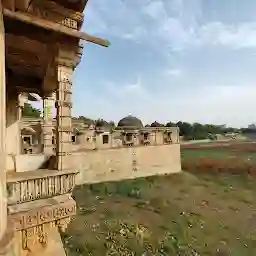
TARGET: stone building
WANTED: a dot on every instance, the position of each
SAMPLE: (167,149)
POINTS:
(129,132)
(40,49)
(104,153)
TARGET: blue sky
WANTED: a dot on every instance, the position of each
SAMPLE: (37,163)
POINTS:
(189,60)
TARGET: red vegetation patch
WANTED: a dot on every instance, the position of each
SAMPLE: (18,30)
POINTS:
(233,166)
(232,147)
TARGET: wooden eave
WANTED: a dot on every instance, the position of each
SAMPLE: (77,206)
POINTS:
(77,5)
(23,83)
(53,27)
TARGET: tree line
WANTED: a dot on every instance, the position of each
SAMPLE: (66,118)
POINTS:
(194,131)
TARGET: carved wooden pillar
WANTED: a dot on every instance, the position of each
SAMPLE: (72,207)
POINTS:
(63,107)
(3,199)
(48,104)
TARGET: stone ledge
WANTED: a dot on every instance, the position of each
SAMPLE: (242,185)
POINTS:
(37,185)
(35,213)
(38,174)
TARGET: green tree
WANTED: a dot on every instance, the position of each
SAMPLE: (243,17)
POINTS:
(186,130)
(30,111)
(112,124)
(170,124)
(85,120)
(101,123)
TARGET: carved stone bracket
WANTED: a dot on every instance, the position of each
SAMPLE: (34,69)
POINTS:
(34,233)
(63,223)
(29,217)
(39,234)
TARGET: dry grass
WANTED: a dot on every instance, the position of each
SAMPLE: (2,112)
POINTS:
(230,146)
(191,213)
(218,158)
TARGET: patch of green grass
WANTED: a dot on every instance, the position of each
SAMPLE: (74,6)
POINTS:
(181,214)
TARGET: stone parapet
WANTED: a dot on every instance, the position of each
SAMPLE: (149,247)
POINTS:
(39,205)
(29,186)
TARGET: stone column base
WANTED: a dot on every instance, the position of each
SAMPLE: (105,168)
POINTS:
(11,244)
(7,247)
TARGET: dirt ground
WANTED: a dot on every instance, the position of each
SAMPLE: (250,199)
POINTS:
(182,214)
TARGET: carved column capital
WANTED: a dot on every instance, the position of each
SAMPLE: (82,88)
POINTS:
(65,74)
(69,56)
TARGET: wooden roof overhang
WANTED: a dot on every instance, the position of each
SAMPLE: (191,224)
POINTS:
(31,46)
(76,5)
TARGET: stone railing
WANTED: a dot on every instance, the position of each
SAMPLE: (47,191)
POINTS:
(29,186)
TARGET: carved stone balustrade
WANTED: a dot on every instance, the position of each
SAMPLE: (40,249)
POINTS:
(29,186)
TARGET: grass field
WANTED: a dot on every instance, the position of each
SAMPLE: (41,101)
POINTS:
(191,213)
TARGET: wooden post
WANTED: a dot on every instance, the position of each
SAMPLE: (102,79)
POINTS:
(3,199)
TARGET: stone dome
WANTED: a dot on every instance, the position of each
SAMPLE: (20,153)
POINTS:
(156,124)
(130,121)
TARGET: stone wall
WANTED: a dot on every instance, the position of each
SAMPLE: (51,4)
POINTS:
(12,128)
(125,163)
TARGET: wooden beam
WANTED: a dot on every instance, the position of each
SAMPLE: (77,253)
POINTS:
(77,5)
(55,27)
(19,28)
(22,4)
(9,4)
(27,83)
(26,44)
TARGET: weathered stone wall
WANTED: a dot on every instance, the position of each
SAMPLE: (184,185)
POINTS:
(125,163)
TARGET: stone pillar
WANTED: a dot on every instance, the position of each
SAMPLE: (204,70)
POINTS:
(48,104)
(3,199)
(63,107)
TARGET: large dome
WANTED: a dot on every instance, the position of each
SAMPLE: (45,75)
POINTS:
(130,121)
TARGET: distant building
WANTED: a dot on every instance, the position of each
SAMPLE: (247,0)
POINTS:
(252,126)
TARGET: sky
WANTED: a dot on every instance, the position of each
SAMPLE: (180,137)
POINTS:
(169,60)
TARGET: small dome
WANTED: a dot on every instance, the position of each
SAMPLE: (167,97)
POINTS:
(101,123)
(156,124)
(28,130)
(130,121)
